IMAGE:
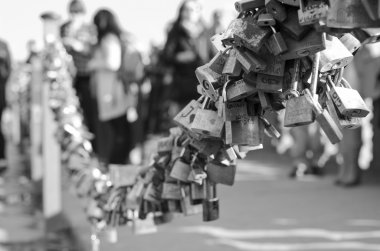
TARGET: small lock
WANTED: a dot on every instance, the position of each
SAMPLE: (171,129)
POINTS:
(269,128)
(207,146)
(268,83)
(186,203)
(350,42)
(180,170)
(276,43)
(249,61)
(185,117)
(335,56)
(266,19)
(242,30)
(232,67)
(221,174)
(197,192)
(229,153)
(298,112)
(216,64)
(246,5)
(324,119)
(309,45)
(291,25)
(171,191)
(275,66)
(244,132)
(211,203)
(347,100)
(208,124)
(311,11)
(277,10)
(207,79)
(235,110)
(239,90)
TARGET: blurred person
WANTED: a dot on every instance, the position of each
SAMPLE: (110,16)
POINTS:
(112,128)
(217,26)
(184,51)
(5,72)
(363,74)
(31,47)
(78,38)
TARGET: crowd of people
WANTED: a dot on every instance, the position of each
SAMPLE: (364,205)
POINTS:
(121,113)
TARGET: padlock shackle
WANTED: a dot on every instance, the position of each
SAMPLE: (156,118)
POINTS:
(338,77)
(314,73)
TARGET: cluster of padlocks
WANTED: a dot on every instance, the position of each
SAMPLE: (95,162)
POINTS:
(277,54)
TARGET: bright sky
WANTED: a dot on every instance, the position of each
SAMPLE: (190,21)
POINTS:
(146,19)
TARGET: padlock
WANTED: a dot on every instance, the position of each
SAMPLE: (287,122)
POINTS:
(239,90)
(197,174)
(235,110)
(265,101)
(371,7)
(232,67)
(266,19)
(276,43)
(350,42)
(216,64)
(292,27)
(247,131)
(207,146)
(246,5)
(309,45)
(269,128)
(268,83)
(342,121)
(207,123)
(196,192)
(208,80)
(347,100)
(324,119)
(165,145)
(211,203)
(277,10)
(249,61)
(186,204)
(180,170)
(311,11)
(243,30)
(221,174)
(349,14)
(171,191)
(229,153)
(298,112)
(275,66)
(295,3)
(247,149)
(335,56)
(185,117)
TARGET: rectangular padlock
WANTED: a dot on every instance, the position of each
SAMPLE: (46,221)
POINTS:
(208,79)
(266,19)
(180,170)
(221,174)
(185,117)
(348,101)
(171,191)
(275,66)
(246,5)
(211,203)
(207,146)
(325,120)
(276,43)
(298,112)
(216,64)
(311,11)
(239,90)
(350,42)
(208,124)
(235,110)
(242,30)
(186,204)
(335,56)
(277,9)
(232,67)
(197,192)
(268,83)
(309,45)
(291,25)
(246,132)
(249,61)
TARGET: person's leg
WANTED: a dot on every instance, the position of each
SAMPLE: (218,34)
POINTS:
(121,147)
(3,161)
